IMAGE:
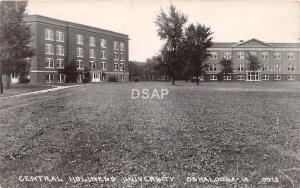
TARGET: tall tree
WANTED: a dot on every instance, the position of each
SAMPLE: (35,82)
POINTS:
(15,37)
(254,63)
(227,67)
(198,38)
(70,70)
(170,29)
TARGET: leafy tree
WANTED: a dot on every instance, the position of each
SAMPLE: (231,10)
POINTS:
(170,29)
(133,70)
(227,67)
(198,38)
(254,63)
(15,37)
(70,70)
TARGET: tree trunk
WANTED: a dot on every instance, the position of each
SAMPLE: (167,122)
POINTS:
(8,80)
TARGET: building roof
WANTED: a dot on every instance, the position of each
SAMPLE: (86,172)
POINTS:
(48,20)
(254,43)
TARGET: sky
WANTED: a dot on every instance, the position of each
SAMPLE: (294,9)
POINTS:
(230,20)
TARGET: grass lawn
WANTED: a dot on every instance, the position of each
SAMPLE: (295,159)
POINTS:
(212,130)
(17,89)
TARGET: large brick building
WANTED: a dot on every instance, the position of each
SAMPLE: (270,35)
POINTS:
(279,61)
(104,53)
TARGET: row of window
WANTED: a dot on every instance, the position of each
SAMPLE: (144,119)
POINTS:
(49,35)
(241,55)
(117,66)
(50,78)
(265,67)
(49,49)
(263,77)
(117,56)
(49,63)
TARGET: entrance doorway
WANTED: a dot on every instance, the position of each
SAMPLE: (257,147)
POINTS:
(253,76)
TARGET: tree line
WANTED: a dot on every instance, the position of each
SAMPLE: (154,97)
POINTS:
(184,53)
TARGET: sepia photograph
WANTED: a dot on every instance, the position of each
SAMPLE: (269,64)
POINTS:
(150,93)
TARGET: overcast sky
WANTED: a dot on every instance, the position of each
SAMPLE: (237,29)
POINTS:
(230,20)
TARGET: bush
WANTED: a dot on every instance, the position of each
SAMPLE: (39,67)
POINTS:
(24,79)
(112,79)
(135,79)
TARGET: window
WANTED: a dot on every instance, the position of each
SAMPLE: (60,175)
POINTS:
(291,77)
(48,34)
(92,53)
(213,55)
(116,45)
(79,52)
(116,66)
(228,77)
(265,77)
(102,55)
(79,39)
(122,46)
(59,36)
(212,77)
(277,77)
(240,55)
(122,67)
(49,63)
(277,68)
(60,63)
(92,41)
(240,77)
(49,49)
(291,67)
(122,57)
(103,43)
(79,64)
(265,67)
(291,56)
(49,78)
(213,67)
(265,55)
(103,65)
(60,78)
(93,64)
(277,55)
(60,50)
(253,53)
(116,56)
(240,67)
(227,55)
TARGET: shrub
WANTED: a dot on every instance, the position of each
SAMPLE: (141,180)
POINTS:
(24,79)
(135,79)
(112,79)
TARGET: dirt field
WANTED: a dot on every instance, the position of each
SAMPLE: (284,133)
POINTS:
(240,130)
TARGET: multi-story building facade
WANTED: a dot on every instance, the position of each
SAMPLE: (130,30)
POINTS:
(103,53)
(279,61)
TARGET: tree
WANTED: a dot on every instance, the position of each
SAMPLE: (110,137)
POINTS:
(254,63)
(227,67)
(15,37)
(196,42)
(70,70)
(170,29)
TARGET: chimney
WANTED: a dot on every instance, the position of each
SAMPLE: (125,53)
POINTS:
(241,40)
